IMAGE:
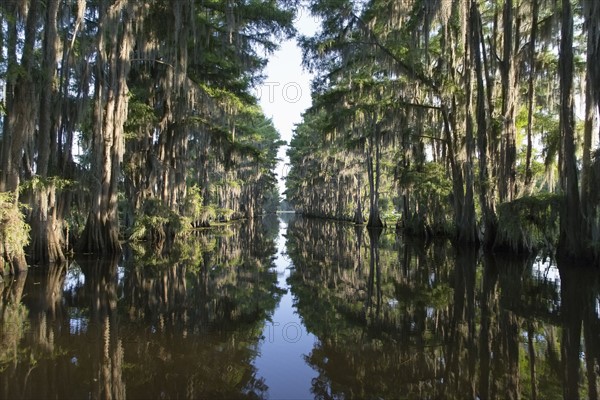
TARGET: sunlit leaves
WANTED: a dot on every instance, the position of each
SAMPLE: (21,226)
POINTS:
(14,232)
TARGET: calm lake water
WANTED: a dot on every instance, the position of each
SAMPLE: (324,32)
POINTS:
(293,308)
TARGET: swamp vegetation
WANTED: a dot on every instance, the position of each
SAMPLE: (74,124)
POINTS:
(124,119)
(139,250)
(478,120)
(472,119)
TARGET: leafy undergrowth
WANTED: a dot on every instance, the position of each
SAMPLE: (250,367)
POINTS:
(529,223)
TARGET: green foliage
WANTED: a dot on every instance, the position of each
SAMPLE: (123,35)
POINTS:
(430,180)
(429,190)
(13,326)
(550,133)
(76,219)
(37,182)
(140,116)
(224,214)
(208,213)
(529,223)
(14,232)
(154,220)
(226,98)
(271,201)
(194,203)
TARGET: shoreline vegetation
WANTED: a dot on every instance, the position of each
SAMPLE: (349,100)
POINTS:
(129,120)
(476,120)
(529,225)
(138,121)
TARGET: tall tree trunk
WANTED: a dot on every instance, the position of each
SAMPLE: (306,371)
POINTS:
(592,20)
(458,194)
(46,232)
(21,106)
(358,214)
(570,241)
(20,121)
(486,197)
(176,98)
(589,181)
(458,148)
(374,170)
(468,220)
(462,170)
(586,169)
(12,64)
(115,43)
(531,94)
(508,156)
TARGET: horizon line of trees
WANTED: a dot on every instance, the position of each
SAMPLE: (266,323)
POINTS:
(131,119)
(457,115)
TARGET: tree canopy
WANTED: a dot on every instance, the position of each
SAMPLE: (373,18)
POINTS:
(447,112)
(125,119)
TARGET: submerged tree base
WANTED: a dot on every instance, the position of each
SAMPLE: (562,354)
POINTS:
(99,237)
(524,226)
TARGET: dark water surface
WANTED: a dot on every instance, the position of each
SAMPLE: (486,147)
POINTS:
(292,308)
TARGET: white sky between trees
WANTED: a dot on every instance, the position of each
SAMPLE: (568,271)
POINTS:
(285,93)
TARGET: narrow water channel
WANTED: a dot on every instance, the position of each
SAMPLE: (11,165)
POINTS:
(281,360)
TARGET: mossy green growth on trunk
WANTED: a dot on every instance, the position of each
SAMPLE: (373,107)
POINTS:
(157,223)
(14,235)
(529,223)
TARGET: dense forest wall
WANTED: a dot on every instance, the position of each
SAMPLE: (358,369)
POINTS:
(124,119)
(470,118)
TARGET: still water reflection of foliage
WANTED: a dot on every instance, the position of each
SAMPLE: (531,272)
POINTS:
(397,319)
(146,326)
(394,319)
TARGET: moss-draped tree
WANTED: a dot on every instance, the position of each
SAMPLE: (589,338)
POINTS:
(116,108)
(473,91)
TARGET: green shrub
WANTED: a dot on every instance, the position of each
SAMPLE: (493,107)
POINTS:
(529,224)
(429,190)
(12,329)
(155,222)
(195,210)
(14,232)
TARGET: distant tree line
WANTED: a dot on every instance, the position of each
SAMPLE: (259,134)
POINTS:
(473,118)
(131,119)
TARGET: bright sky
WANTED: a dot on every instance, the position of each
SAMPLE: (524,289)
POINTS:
(285,94)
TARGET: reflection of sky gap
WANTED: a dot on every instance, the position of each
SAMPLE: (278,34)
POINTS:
(544,269)
(78,324)
(74,279)
(285,341)
(120,274)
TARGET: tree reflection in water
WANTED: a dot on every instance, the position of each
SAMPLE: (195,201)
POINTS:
(393,318)
(432,321)
(181,327)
